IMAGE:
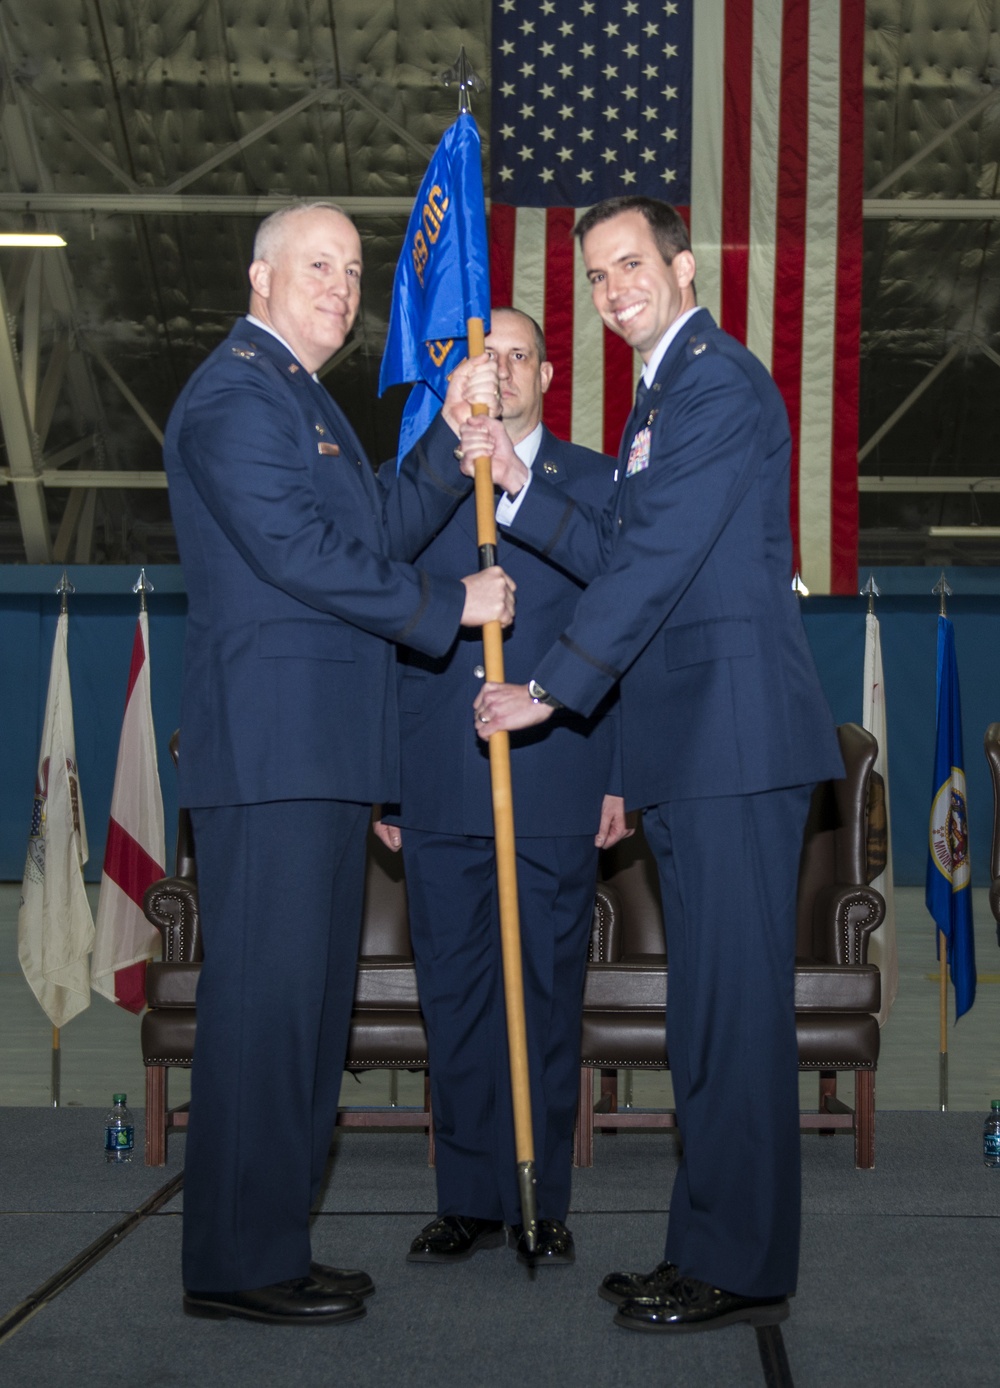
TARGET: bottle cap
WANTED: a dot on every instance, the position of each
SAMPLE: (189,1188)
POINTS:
(120,1099)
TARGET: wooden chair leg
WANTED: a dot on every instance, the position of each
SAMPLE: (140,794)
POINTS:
(430,1118)
(583,1136)
(608,1102)
(864,1119)
(827,1097)
(156,1115)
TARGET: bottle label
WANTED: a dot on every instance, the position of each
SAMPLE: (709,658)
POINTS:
(119,1139)
(991,1145)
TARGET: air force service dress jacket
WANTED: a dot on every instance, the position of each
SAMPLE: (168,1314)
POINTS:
(690,605)
(560,773)
(289,545)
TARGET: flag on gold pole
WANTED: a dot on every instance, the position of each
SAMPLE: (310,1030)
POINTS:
(135,854)
(55,929)
(882,949)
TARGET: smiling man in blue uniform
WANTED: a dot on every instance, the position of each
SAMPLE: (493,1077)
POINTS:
(562,784)
(725,730)
(292,557)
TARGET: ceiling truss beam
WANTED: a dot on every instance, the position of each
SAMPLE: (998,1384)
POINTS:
(19,437)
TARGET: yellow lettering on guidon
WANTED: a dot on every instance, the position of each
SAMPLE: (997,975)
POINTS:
(434,213)
(432,218)
(439,351)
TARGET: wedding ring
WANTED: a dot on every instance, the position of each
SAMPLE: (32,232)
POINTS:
(484,718)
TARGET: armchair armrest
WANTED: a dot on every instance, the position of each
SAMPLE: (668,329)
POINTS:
(606,932)
(844,916)
(172,906)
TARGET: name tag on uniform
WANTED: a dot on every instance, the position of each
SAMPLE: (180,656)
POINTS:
(638,454)
(329,450)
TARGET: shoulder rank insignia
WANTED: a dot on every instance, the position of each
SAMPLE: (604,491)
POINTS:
(245,352)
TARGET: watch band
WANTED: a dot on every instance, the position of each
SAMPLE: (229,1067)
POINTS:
(538,695)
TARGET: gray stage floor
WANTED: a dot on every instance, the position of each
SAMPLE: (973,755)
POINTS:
(898,1280)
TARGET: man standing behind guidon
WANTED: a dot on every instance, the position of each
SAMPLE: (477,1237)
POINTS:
(724,732)
(291,554)
(561,779)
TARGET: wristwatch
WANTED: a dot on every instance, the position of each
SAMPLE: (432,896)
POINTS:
(538,695)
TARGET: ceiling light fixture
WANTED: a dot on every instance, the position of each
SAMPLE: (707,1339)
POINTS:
(30,238)
(964,532)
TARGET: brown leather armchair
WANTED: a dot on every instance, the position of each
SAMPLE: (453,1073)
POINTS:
(992,744)
(387,1029)
(837,992)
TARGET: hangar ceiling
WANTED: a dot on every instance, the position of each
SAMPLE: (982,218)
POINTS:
(154,134)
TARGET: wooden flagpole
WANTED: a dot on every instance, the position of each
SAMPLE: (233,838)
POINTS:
(503,829)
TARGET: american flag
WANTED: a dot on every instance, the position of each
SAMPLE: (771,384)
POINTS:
(747,115)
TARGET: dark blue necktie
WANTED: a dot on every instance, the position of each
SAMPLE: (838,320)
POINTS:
(641,396)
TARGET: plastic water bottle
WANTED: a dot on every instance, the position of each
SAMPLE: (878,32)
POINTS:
(119,1133)
(991,1136)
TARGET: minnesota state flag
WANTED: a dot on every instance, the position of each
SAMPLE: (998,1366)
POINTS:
(949,873)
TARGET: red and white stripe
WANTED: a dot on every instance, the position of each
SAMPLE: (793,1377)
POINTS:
(776,227)
(135,854)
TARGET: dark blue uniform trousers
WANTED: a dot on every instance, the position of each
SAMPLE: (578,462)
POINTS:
(728,872)
(454,922)
(280,892)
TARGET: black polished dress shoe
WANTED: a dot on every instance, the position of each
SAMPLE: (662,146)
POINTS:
(453,1238)
(626,1286)
(342,1281)
(300,1301)
(553,1245)
(691,1304)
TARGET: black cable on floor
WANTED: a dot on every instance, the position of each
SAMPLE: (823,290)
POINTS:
(773,1359)
(92,1254)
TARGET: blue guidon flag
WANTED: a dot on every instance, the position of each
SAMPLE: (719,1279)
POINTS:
(442,279)
(949,873)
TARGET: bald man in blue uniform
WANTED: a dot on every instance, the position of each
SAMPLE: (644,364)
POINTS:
(725,730)
(562,787)
(297,597)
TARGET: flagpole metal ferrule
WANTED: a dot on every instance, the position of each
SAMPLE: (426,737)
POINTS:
(487,556)
(526,1185)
